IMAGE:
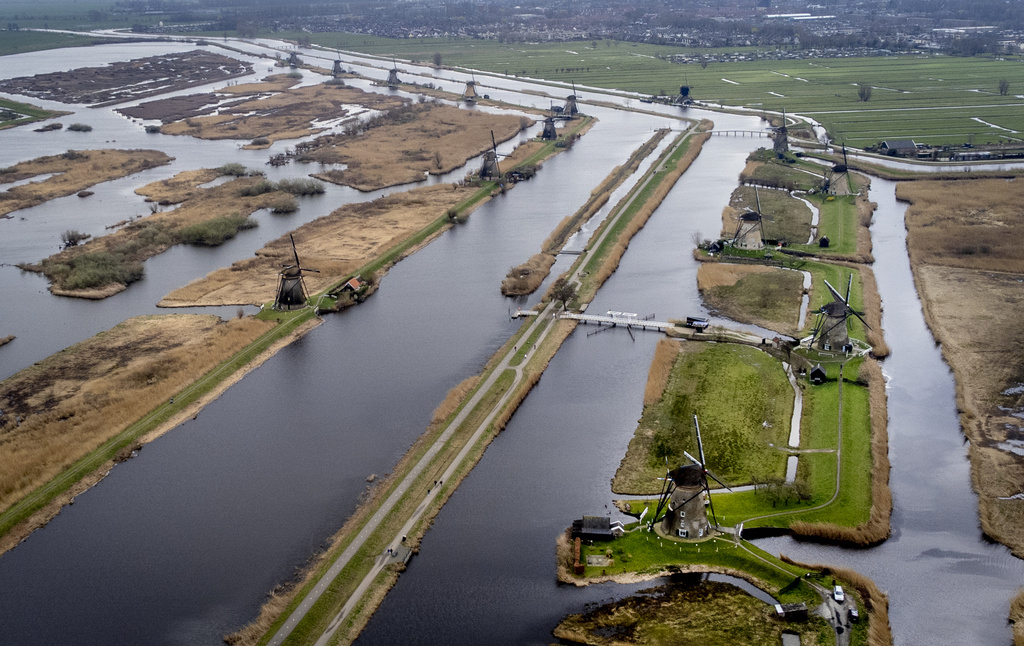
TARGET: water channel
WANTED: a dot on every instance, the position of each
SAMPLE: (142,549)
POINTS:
(179,545)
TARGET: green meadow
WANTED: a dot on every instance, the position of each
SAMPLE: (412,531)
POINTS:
(930,98)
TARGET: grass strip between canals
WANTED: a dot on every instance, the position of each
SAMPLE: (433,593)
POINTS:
(329,604)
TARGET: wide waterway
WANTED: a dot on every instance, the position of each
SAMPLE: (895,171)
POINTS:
(179,545)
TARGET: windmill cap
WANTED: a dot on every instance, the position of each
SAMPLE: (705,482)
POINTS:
(688,475)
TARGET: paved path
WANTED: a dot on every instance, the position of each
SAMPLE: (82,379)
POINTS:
(389,504)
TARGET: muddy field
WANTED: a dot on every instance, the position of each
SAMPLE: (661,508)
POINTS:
(71,172)
(964,240)
(336,245)
(195,105)
(68,404)
(127,81)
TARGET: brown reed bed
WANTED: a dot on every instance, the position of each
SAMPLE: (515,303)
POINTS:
(526,278)
(665,354)
(878,528)
(454,398)
(1017,617)
(75,400)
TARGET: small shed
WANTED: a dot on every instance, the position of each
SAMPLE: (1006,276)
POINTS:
(594,528)
(354,285)
(791,611)
(823,242)
(817,375)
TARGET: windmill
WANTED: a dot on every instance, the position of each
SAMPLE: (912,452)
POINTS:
(781,138)
(490,169)
(833,176)
(750,229)
(393,81)
(830,328)
(469,94)
(570,109)
(291,289)
(557,114)
(337,71)
(684,97)
(293,60)
(684,494)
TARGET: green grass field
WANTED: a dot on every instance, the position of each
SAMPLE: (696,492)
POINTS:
(931,98)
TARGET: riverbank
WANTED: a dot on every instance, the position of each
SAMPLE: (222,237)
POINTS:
(347,584)
(94,404)
(962,238)
(70,173)
(525,278)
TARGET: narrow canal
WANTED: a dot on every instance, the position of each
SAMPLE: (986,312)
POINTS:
(179,545)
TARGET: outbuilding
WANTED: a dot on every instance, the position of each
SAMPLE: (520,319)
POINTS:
(818,375)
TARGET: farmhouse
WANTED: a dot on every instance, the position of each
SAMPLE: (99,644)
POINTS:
(901,147)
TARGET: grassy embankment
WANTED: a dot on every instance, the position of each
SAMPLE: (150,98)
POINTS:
(735,389)
(636,207)
(20,42)
(13,113)
(71,172)
(869,597)
(526,278)
(954,89)
(707,380)
(640,555)
(963,238)
(276,611)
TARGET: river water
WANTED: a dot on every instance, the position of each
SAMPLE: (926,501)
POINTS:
(179,545)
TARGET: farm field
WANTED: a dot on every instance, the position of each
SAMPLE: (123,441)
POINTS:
(932,99)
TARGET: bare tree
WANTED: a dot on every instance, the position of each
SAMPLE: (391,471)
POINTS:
(864,92)
(1004,87)
(437,59)
(563,290)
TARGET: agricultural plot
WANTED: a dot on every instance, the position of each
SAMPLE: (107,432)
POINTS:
(933,99)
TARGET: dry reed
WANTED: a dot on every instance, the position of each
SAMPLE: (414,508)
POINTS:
(878,527)
(967,223)
(526,278)
(1017,617)
(873,313)
(876,601)
(665,354)
(717,274)
(72,172)
(453,399)
(75,400)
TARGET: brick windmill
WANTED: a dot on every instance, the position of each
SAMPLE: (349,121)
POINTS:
(291,289)
(830,329)
(684,495)
(393,81)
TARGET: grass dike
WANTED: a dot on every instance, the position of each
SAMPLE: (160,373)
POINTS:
(526,278)
(284,599)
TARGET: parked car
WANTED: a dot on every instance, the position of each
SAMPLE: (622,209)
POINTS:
(838,594)
(853,614)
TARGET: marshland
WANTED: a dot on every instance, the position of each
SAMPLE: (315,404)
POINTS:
(254,464)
